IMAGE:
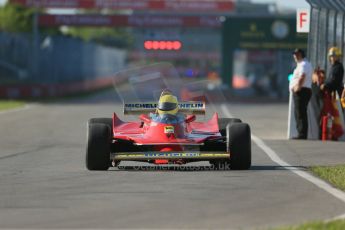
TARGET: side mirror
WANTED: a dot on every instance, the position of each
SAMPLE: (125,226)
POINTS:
(190,118)
(145,118)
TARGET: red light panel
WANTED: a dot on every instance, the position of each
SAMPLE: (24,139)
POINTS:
(177,45)
(148,45)
(163,45)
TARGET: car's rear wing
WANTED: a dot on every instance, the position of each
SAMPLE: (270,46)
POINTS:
(189,107)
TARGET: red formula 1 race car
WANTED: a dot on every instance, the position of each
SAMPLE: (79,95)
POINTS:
(167,133)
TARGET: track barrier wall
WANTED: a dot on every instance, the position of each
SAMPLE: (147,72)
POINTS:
(60,65)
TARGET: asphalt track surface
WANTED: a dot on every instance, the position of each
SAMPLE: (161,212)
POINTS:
(44,182)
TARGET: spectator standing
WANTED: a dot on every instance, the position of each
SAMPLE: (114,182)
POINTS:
(317,98)
(300,86)
(334,82)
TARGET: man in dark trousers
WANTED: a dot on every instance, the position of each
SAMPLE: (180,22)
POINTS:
(334,82)
(300,85)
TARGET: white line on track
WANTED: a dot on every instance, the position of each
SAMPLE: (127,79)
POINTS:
(341,217)
(28,106)
(275,158)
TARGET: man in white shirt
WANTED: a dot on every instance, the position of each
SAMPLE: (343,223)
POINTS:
(300,86)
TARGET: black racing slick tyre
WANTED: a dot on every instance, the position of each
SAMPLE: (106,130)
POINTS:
(98,147)
(223,122)
(105,121)
(239,146)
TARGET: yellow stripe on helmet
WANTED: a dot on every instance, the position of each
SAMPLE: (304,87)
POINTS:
(168,98)
(334,51)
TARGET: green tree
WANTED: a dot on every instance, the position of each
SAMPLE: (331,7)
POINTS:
(15,18)
(108,36)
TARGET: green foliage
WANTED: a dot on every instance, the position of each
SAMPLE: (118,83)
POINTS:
(333,174)
(50,31)
(108,36)
(332,225)
(10,104)
(19,19)
(117,37)
(15,18)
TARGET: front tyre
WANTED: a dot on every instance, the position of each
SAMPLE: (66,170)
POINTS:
(98,147)
(105,121)
(239,146)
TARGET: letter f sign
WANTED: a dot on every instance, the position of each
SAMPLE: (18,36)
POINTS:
(302,18)
(303,21)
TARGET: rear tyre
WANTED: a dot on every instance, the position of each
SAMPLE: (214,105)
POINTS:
(223,122)
(239,146)
(98,147)
(105,121)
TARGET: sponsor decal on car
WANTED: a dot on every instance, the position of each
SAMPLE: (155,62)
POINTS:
(169,129)
(182,105)
(192,107)
(141,105)
(172,155)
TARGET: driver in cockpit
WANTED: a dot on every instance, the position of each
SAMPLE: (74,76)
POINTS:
(167,109)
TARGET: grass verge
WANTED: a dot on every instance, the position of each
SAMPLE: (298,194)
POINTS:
(335,175)
(72,96)
(10,104)
(332,225)
(332,174)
